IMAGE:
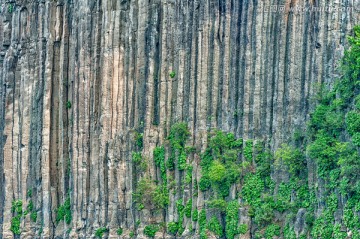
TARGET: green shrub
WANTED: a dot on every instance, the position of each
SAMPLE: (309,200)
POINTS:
(188,177)
(64,212)
(10,8)
(216,171)
(248,150)
(215,226)
(29,193)
(232,219)
(139,161)
(218,204)
(139,140)
(68,104)
(151,230)
(119,231)
(172,74)
(172,228)
(187,209)
(100,232)
(243,228)
(195,215)
(202,224)
(15,225)
(179,133)
(33,216)
(356,139)
(272,230)
(182,161)
(353,122)
(252,189)
(292,158)
(17,206)
(150,195)
(204,183)
(337,233)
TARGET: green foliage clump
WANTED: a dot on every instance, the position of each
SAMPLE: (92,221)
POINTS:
(151,230)
(10,8)
(159,158)
(252,189)
(33,216)
(100,232)
(204,183)
(15,225)
(139,161)
(292,158)
(248,150)
(187,209)
(150,195)
(172,228)
(16,208)
(243,228)
(216,171)
(337,233)
(219,204)
(232,219)
(68,104)
(188,177)
(215,226)
(139,140)
(64,212)
(119,231)
(29,193)
(272,230)
(219,163)
(202,224)
(172,74)
(195,215)
(178,135)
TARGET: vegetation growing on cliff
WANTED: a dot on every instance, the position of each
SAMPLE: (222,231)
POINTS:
(329,147)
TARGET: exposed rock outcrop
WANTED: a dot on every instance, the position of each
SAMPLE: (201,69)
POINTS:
(80,79)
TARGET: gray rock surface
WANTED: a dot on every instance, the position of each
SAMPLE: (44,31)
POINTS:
(238,67)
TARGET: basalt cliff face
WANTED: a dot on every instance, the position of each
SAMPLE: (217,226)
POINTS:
(86,86)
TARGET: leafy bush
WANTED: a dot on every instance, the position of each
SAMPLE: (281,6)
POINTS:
(33,216)
(195,215)
(172,74)
(204,183)
(216,171)
(68,104)
(172,228)
(150,195)
(139,140)
(243,228)
(248,150)
(272,230)
(218,204)
(215,226)
(202,224)
(353,122)
(100,232)
(187,209)
(119,231)
(252,189)
(151,230)
(64,212)
(232,219)
(292,158)
(15,225)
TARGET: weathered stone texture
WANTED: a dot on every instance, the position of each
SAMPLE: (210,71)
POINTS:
(238,67)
